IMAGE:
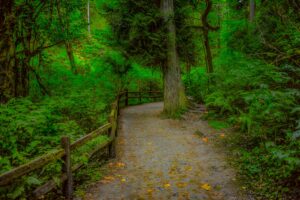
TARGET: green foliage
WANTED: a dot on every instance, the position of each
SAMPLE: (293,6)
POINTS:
(256,89)
(269,169)
(273,36)
(139,30)
(29,129)
(218,125)
(196,83)
(253,97)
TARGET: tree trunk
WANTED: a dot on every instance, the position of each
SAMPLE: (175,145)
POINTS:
(174,95)
(219,23)
(7,53)
(209,62)
(70,54)
(188,73)
(252,10)
(88,16)
(68,44)
(206,28)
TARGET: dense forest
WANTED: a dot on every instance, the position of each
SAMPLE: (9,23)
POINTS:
(62,63)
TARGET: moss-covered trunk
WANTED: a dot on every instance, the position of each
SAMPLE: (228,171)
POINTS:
(174,95)
(7,51)
(14,69)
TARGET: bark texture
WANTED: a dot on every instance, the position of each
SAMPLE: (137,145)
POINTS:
(7,53)
(14,69)
(174,95)
(206,29)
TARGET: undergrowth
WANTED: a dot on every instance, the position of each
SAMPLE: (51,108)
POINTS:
(253,97)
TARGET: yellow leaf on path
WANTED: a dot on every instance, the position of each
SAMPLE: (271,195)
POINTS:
(167,185)
(123,180)
(206,187)
(107,179)
(205,139)
(222,135)
(188,168)
(119,164)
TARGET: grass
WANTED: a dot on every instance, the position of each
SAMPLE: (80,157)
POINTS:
(218,125)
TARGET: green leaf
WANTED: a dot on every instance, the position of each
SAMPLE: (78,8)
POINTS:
(16,193)
(33,181)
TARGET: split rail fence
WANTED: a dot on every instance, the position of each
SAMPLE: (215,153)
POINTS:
(110,129)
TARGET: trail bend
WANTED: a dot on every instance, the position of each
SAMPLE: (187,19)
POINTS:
(161,158)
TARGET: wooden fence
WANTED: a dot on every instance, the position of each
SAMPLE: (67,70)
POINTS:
(64,153)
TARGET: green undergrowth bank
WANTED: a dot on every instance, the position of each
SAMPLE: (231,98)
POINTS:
(253,97)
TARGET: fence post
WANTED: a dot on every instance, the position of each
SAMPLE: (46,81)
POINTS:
(140,96)
(118,105)
(112,135)
(116,122)
(66,168)
(152,95)
(126,97)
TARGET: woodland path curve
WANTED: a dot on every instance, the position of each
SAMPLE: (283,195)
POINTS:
(161,158)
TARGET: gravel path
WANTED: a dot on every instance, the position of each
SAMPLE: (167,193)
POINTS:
(164,159)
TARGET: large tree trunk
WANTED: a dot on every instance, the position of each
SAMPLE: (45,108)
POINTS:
(174,95)
(7,53)
(208,54)
(206,28)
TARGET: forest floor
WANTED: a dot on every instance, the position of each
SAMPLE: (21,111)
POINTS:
(160,158)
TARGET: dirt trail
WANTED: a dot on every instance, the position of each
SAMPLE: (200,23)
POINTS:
(164,159)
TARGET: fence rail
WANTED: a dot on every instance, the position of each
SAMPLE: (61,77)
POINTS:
(67,148)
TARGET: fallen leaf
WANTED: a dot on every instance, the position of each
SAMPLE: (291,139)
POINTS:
(123,180)
(167,185)
(188,168)
(205,139)
(107,179)
(222,135)
(206,187)
(119,164)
